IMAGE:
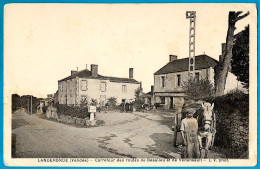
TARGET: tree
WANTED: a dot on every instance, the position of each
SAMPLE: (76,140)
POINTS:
(240,58)
(94,102)
(84,102)
(16,103)
(56,98)
(138,92)
(223,66)
(198,89)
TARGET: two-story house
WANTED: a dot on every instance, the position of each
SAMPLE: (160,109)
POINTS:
(169,79)
(88,85)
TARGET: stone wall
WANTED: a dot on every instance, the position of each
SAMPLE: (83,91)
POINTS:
(51,113)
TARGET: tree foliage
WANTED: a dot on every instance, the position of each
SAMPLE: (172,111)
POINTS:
(198,89)
(240,58)
(138,92)
(111,102)
(16,103)
(94,102)
(84,102)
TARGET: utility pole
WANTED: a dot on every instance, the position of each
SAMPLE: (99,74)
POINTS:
(28,105)
(31,104)
(192,16)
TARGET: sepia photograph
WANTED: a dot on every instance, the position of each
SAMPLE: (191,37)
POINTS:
(130,84)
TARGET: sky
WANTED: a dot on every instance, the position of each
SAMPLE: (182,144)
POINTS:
(44,42)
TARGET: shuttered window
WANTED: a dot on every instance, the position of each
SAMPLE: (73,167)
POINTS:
(163,81)
(103,86)
(178,80)
(83,85)
(124,89)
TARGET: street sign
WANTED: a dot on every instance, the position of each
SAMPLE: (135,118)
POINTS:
(92,109)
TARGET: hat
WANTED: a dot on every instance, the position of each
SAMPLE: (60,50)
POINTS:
(190,110)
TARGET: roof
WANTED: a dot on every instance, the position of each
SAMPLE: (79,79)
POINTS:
(146,95)
(181,65)
(87,74)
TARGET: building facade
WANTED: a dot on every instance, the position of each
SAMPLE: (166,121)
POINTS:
(85,85)
(169,79)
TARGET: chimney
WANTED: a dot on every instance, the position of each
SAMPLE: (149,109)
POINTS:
(172,58)
(94,70)
(86,66)
(73,72)
(152,88)
(131,73)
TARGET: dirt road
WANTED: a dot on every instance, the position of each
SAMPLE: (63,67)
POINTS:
(133,135)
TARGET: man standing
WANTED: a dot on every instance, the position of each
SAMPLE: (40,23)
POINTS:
(189,130)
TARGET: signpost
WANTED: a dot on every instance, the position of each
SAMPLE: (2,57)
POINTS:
(92,110)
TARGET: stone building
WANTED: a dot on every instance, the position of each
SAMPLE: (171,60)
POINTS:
(169,79)
(88,84)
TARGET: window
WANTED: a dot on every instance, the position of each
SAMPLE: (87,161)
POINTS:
(162,100)
(124,88)
(178,80)
(83,85)
(69,88)
(60,84)
(65,86)
(197,76)
(103,86)
(162,81)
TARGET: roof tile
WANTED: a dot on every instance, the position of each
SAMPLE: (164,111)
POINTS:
(87,74)
(181,65)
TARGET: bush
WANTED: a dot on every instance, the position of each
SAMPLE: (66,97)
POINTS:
(80,112)
(231,102)
(94,102)
(138,104)
(198,89)
(111,103)
(84,102)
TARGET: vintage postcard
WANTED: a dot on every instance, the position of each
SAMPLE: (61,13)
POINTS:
(130,85)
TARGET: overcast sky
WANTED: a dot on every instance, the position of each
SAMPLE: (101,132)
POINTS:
(44,42)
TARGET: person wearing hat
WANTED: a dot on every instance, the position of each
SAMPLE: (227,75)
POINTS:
(189,130)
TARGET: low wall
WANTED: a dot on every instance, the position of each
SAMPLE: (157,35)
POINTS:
(51,113)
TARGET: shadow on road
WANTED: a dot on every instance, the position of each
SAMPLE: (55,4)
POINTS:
(164,146)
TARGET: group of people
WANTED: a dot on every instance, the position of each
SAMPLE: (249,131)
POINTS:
(127,107)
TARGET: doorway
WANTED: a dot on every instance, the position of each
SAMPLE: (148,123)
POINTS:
(171,102)
(102,100)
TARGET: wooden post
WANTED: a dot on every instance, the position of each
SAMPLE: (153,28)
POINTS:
(31,104)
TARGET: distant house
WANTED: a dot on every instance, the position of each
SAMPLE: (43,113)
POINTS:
(169,79)
(88,85)
(47,101)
